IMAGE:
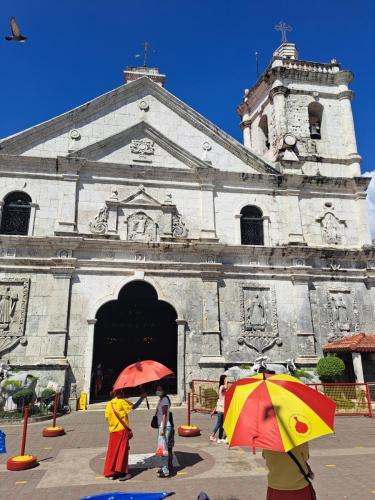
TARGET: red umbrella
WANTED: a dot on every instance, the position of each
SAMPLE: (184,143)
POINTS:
(140,373)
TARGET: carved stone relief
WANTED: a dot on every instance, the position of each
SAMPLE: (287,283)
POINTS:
(178,227)
(259,318)
(342,310)
(100,223)
(142,147)
(14,295)
(141,227)
(332,228)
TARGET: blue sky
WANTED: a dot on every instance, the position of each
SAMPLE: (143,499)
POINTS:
(78,50)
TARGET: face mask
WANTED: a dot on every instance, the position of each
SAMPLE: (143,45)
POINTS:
(159,393)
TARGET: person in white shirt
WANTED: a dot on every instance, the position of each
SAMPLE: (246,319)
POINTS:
(164,425)
(219,409)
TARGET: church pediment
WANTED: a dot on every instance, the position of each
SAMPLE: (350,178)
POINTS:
(140,199)
(107,118)
(140,144)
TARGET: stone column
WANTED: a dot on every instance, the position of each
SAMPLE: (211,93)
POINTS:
(277,96)
(181,359)
(67,209)
(88,357)
(294,218)
(345,98)
(358,369)
(305,329)
(208,228)
(112,216)
(59,304)
(211,342)
(246,129)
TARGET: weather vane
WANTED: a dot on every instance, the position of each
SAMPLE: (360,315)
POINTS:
(283,28)
(146,47)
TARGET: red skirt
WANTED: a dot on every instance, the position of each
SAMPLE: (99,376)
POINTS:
(304,494)
(116,460)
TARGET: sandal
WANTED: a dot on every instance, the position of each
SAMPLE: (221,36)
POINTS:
(126,477)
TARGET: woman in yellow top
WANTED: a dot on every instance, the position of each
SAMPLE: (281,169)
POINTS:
(286,481)
(116,413)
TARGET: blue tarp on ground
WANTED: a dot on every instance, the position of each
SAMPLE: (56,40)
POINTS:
(120,495)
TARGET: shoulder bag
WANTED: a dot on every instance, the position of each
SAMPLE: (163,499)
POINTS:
(308,476)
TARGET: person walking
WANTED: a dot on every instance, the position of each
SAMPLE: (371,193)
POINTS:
(289,476)
(116,414)
(219,409)
(164,427)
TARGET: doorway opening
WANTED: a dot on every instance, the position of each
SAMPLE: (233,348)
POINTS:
(135,327)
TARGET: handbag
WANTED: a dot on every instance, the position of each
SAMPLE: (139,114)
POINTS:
(308,476)
(130,432)
(154,422)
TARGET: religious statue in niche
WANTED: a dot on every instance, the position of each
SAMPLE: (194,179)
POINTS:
(340,314)
(331,228)
(14,293)
(8,303)
(142,147)
(141,227)
(100,223)
(258,310)
(256,315)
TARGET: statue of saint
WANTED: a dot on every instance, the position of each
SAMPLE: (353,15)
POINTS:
(139,225)
(330,229)
(102,215)
(7,307)
(341,314)
(256,314)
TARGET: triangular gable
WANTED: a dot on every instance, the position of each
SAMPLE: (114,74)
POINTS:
(102,150)
(22,142)
(140,198)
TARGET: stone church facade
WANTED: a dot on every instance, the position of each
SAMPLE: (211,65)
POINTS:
(258,248)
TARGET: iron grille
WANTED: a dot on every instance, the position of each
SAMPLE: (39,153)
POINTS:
(16,216)
(252,231)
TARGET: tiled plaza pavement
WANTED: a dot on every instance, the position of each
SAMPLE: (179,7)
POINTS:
(71,465)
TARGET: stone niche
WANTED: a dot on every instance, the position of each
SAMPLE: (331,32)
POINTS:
(258,318)
(336,310)
(140,218)
(14,295)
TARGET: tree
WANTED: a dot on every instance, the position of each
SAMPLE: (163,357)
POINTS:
(330,368)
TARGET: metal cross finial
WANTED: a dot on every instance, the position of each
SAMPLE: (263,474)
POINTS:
(146,46)
(283,28)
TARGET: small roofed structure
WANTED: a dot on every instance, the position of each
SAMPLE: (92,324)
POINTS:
(362,348)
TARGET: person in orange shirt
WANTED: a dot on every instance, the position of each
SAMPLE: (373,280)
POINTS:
(116,414)
(289,474)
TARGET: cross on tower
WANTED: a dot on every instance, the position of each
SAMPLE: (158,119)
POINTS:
(146,47)
(283,28)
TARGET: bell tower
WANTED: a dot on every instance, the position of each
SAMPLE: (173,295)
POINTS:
(299,114)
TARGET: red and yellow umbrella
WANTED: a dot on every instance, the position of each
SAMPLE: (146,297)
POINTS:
(275,412)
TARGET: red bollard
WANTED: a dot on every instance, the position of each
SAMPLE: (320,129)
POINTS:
(54,431)
(22,461)
(188,430)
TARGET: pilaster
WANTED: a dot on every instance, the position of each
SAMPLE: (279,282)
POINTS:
(208,226)
(295,232)
(303,314)
(345,98)
(181,350)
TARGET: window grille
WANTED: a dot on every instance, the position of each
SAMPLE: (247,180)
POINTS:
(252,226)
(16,214)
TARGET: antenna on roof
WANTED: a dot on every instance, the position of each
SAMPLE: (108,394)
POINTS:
(257,63)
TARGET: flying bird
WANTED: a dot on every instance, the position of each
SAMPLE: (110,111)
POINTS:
(16,32)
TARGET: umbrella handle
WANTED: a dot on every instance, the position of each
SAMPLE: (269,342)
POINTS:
(148,404)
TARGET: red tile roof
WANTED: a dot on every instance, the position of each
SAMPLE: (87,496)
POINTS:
(360,342)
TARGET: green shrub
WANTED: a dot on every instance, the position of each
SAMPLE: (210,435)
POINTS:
(9,382)
(47,394)
(330,368)
(302,373)
(23,397)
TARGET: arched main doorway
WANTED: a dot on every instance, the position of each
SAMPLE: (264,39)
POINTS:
(135,327)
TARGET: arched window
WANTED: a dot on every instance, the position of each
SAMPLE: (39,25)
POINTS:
(263,129)
(315,110)
(251,226)
(16,213)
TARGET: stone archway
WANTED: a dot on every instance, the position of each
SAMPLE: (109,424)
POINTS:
(136,326)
